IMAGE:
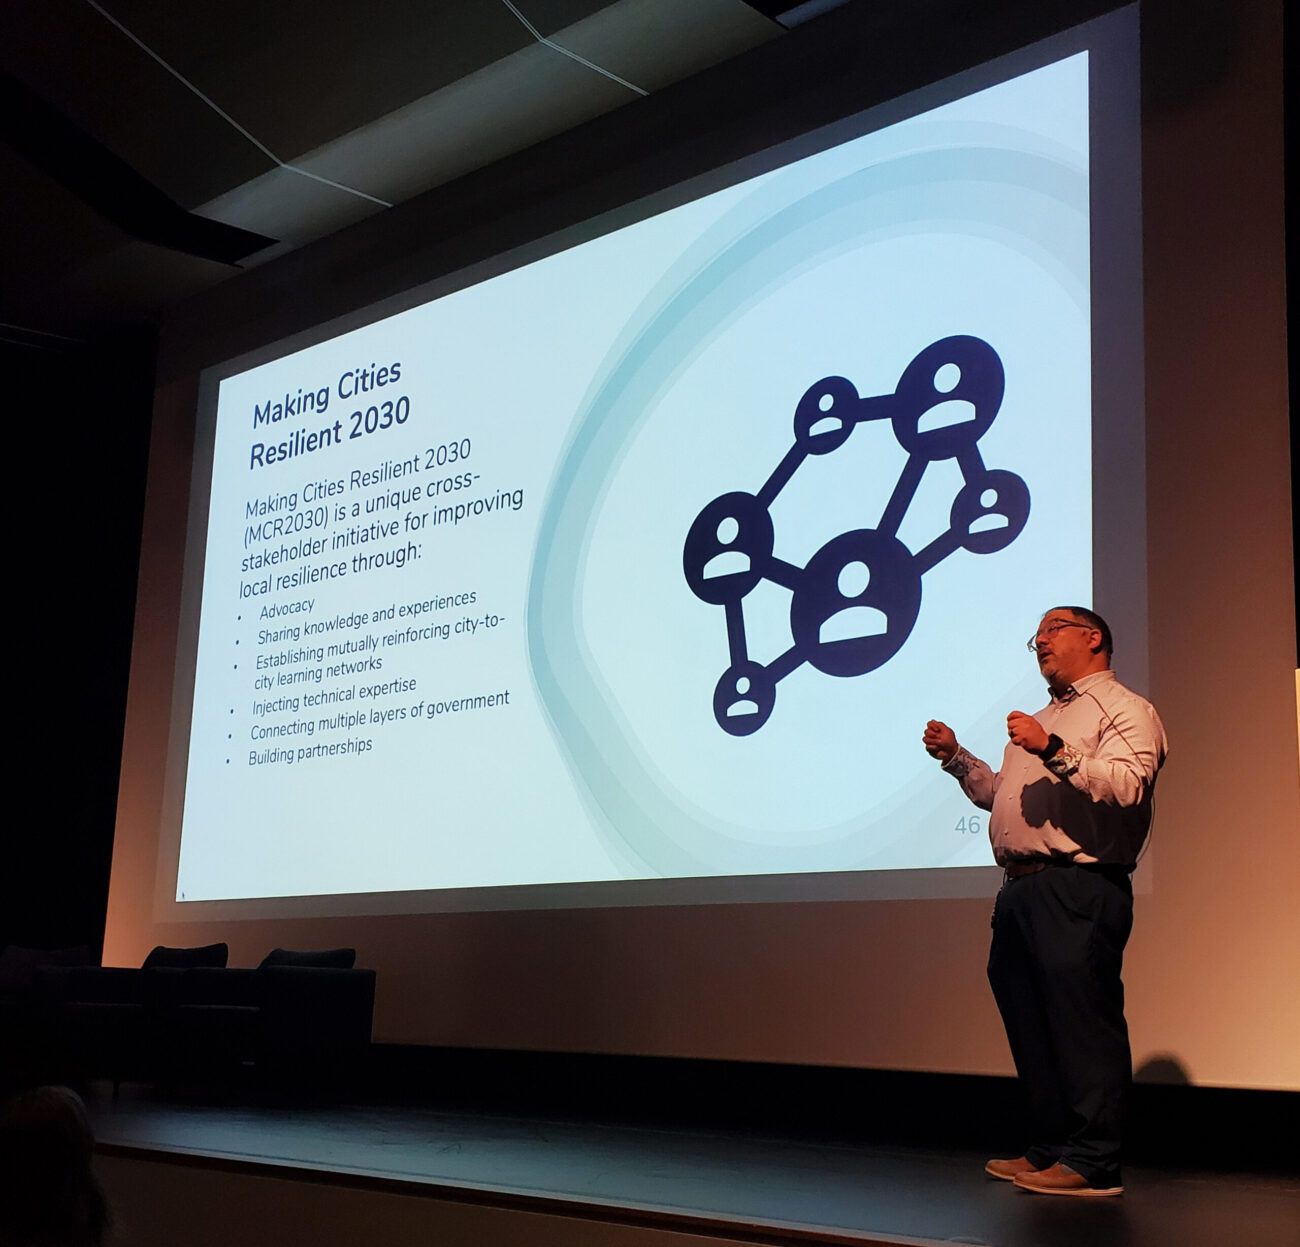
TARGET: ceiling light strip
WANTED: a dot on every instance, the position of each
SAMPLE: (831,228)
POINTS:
(225,116)
(582,60)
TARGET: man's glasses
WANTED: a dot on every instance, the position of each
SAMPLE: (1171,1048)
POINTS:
(1050,631)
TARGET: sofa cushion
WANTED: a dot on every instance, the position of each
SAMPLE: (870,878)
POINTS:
(185,958)
(320,958)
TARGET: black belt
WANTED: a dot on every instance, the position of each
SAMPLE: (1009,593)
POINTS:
(1020,867)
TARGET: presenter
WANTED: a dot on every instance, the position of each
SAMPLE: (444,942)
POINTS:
(1071,808)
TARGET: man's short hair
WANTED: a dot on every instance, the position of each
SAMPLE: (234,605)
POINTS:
(1093,620)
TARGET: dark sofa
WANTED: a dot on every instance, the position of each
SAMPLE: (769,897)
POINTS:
(297,1016)
(27,1038)
(109,1021)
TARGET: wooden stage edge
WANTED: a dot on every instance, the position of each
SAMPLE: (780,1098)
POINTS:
(164,1196)
(547,1164)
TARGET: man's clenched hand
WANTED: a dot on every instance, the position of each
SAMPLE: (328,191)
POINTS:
(939,740)
(1026,731)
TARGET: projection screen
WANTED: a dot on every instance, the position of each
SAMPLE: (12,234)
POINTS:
(629,567)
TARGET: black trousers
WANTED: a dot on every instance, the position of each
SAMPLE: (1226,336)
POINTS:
(1058,947)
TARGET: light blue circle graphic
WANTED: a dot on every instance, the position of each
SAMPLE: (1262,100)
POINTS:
(1028,203)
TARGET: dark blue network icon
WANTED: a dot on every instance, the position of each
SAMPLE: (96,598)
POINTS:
(856,602)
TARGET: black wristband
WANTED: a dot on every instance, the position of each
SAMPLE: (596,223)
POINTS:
(1054,743)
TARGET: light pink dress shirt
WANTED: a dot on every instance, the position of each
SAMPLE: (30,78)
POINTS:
(1092,800)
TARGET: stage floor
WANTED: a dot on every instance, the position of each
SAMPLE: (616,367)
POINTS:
(751,1188)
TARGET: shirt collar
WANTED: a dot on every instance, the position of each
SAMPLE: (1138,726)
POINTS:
(1081,685)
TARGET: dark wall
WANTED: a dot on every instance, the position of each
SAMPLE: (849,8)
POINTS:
(78,414)
(1291,128)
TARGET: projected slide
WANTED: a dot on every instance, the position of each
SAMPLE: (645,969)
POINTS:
(650,559)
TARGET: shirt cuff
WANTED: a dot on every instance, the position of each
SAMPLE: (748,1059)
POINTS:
(958,764)
(1065,761)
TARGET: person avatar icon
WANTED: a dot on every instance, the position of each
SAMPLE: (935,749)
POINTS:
(743,698)
(948,412)
(854,622)
(990,521)
(828,423)
(947,398)
(826,415)
(990,511)
(727,549)
(856,602)
(727,562)
(744,704)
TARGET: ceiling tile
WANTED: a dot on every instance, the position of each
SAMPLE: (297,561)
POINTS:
(298,73)
(78,63)
(290,207)
(548,16)
(500,109)
(392,97)
(656,42)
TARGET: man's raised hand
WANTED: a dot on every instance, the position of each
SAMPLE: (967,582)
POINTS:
(939,740)
(1026,731)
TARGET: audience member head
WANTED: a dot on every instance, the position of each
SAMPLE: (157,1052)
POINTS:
(46,1156)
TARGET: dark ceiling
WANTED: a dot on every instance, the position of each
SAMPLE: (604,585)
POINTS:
(149,148)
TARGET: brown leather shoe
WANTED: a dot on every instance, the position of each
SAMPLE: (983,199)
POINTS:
(1060,1179)
(1009,1170)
